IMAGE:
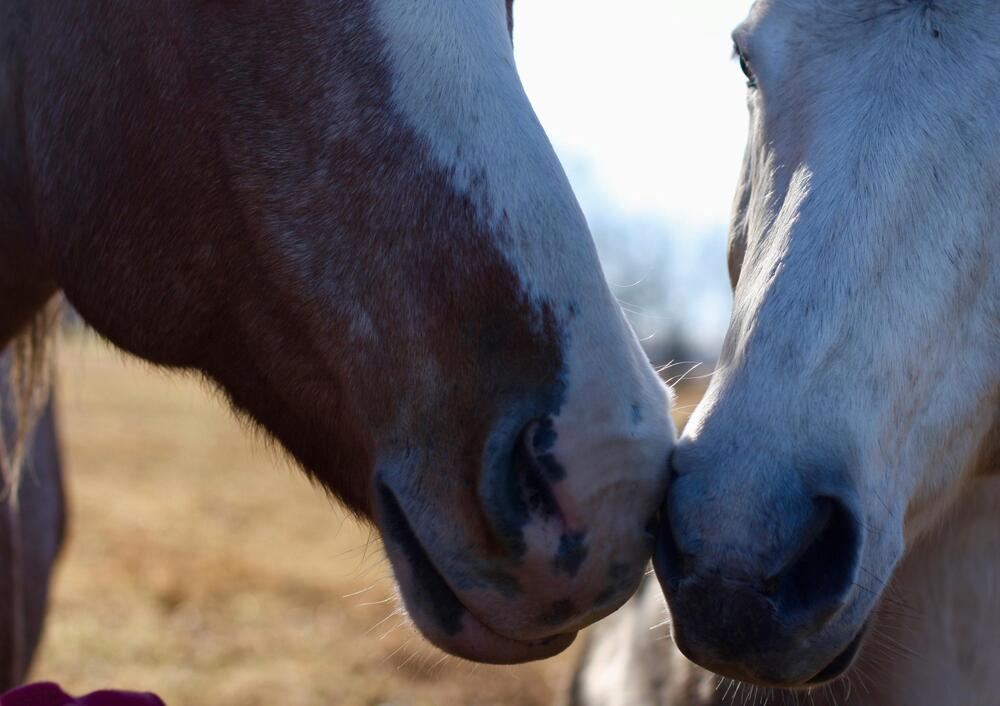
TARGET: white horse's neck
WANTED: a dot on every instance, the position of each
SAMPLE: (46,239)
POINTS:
(950,583)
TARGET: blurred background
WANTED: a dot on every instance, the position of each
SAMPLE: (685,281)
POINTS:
(218,575)
(647,111)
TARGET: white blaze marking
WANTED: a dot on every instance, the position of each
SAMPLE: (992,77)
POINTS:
(456,84)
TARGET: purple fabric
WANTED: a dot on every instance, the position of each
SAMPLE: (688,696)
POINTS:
(47,694)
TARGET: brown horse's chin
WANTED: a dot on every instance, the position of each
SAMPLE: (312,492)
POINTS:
(478,643)
(443,619)
(437,609)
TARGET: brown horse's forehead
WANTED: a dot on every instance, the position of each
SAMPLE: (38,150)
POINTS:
(357,257)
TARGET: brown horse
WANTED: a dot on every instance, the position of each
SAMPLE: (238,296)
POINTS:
(347,217)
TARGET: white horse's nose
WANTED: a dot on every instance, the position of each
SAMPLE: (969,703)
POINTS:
(744,593)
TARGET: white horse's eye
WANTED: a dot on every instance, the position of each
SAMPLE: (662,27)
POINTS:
(745,66)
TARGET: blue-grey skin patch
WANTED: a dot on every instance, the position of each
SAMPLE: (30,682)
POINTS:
(551,468)
(558,613)
(636,414)
(537,492)
(620,577)
(516,484)
(544,437)
(496,578)
(430,590)
(571,554)
(542,442)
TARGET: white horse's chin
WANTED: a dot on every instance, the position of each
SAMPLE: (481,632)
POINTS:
(842,663)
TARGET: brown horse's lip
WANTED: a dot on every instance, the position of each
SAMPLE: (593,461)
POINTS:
(435,607)
(474,640)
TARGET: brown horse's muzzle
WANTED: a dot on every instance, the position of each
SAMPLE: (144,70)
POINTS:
(540,548)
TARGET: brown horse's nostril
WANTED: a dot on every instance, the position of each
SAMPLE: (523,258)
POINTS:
(537,469)
(520,486)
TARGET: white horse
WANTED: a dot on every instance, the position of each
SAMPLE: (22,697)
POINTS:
(857,404)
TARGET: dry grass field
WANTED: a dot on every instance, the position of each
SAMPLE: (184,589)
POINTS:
(201,566)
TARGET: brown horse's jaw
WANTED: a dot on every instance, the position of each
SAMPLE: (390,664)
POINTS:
(443,619)
(436,608)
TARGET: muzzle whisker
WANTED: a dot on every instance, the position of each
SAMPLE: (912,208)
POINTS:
(665,623)
(396,651)
(660,369)
(677,380)
(636,311)
(403,622)
(413,655)
(863,677)
(390,599)
(438,664)
(892,642)
(379,624)
(373,585)
(739,685)
(634,284)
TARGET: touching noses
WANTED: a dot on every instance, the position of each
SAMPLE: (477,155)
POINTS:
(571,513)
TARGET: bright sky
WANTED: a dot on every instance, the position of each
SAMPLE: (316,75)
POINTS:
(647,111)
(645,94)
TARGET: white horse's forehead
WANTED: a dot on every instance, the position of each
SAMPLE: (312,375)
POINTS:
(829,26)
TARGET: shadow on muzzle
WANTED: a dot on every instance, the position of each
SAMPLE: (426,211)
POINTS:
(751,610)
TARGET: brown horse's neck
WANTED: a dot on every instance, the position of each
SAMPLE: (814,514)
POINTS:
(24,285)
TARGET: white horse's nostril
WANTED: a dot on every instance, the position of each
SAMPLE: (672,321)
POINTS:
(822,572)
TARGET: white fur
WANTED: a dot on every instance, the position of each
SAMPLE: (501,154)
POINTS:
(866,325)
(871,282)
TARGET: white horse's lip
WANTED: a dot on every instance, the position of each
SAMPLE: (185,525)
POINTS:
(842,662)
